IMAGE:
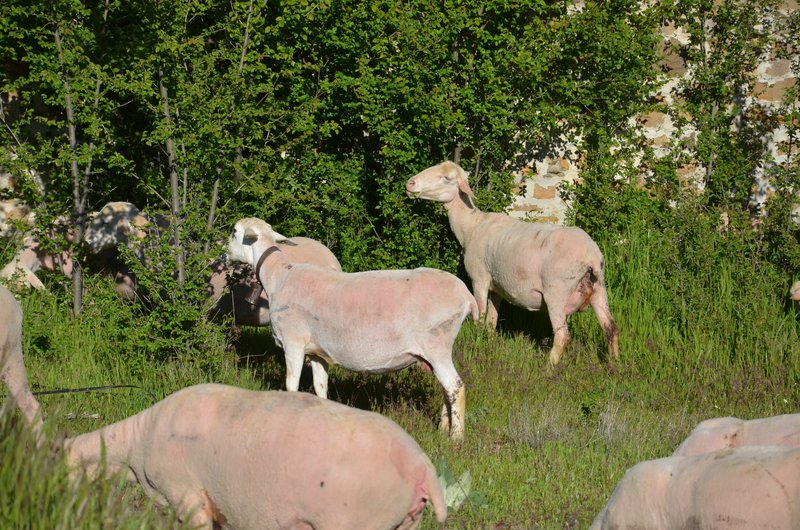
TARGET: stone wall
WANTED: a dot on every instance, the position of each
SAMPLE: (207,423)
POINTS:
(538,182)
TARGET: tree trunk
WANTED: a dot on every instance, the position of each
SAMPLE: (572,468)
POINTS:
(173,178)
(78,184)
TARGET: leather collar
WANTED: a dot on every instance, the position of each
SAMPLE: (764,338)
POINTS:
(264,255)
(255,292)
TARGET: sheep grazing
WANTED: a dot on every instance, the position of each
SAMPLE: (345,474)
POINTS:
(724,433)
(528,264)
(246,299)
(754,487)
(12,367)
(372,321)
(226,457)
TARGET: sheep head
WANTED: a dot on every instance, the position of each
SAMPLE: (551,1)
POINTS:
(250,237)
(441,183)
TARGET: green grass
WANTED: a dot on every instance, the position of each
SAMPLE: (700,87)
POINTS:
(544,448)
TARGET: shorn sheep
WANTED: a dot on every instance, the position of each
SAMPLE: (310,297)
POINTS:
(123,223)
(372,321)
(531,265)
(12,367)
(753,487)
(224,457)
(245,299)
(725,433)
(115,223)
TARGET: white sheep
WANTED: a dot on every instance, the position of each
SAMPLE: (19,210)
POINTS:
(246,299)
(753,487)
(225,457)
(372,321)
(122,222)
(12,367)
(531,265)
(115,223)
(725,433)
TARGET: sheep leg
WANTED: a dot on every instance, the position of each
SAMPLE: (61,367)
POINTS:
(196,510)
(12,373)
(319,369)
(599,303)
(562,300)
(294,366)
(480,289)
(558,319)
(493,308)
(454,410)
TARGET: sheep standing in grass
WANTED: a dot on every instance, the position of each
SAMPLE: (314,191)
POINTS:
(246,299)
(724,433)
(12,368)
(121,223)
(224,457)
(373,321)
(529,264)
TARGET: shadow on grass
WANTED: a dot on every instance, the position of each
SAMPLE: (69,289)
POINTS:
(411,387)
(535,325)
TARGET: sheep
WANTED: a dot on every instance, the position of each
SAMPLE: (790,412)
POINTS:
(721,433)
(246,299)
(222,456)
(530,265)
(372,321)
(121,223)
(115,223)
(754,487)
(30,259)
(12,367)
(794,291)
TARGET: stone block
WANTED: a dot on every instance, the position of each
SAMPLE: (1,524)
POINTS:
(544,193)
(779,68)
(774,92)
(653,119)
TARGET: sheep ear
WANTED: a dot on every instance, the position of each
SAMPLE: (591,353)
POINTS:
(464,187)
(287,242)
(249,237)
(281,239)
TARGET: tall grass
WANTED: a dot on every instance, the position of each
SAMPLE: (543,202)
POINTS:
(544,448)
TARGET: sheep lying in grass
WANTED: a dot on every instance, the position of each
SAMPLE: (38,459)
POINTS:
(12,368)
(529,264)
(724,433)
(372,321)
(753,487)
(227,457)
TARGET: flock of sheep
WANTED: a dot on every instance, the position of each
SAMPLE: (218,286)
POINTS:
(189,449)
